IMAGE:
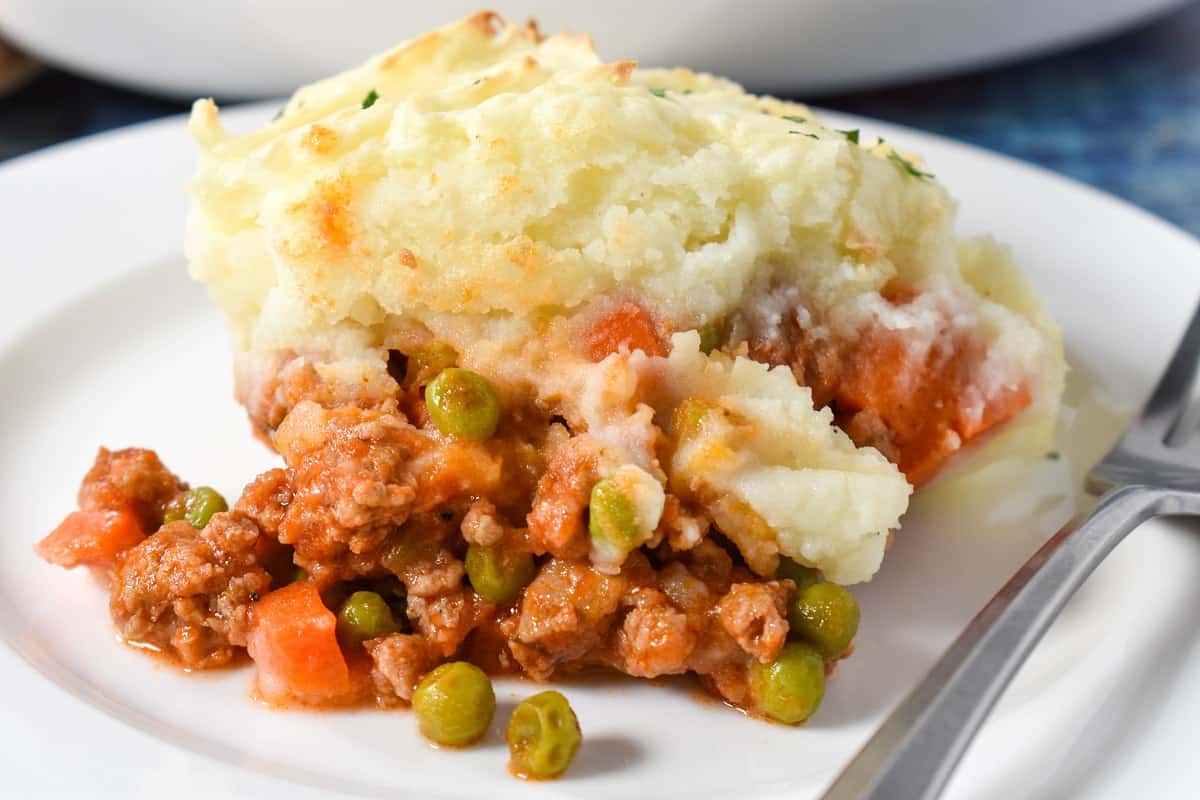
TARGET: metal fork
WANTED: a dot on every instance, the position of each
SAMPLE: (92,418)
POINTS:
(1146,474)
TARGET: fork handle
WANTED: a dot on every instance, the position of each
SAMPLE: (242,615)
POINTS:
(914,752)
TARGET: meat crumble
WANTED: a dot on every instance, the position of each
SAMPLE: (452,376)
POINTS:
(377,500)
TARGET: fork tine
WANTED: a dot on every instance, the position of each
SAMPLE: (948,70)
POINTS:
(1170,398)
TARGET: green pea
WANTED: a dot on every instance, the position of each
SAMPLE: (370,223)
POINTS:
(497,573)
(175,510)
(425,363)
(826,616)
(695,418)
(612,519)
(791,687)
(798,574)
(364,615)
(463,403)
(202,503)
(543,736)
(196,506)
(454,703)
(690,416)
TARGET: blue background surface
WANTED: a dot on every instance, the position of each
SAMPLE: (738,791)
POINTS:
(1121,114)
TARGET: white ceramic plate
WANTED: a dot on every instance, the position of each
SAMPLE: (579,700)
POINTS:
(104,340)
(263,48)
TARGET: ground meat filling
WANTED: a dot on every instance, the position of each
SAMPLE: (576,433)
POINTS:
(566,613)
(350,486)
(398,662)
(130,480)
(373,497)
(187,592)
(755,615)
(368,499)
(655,638)
(270,387)
(445,621)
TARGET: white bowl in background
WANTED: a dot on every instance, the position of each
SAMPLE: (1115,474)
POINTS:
(260,48)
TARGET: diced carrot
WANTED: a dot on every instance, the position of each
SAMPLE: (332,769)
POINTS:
(91,538)
(917,400)
(1002,406)
(293,641)
(627,325)
(921,459)
(920,401)
(880,375)
(460,469)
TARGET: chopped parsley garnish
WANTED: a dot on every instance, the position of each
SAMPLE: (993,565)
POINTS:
(659,92)
(370,99)
(477,81)
(908,166)
(1053,455)
(801,121)
(851,135)
(278,114)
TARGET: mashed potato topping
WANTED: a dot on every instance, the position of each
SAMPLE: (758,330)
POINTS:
(502,172)
(752,435)
(496,190)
